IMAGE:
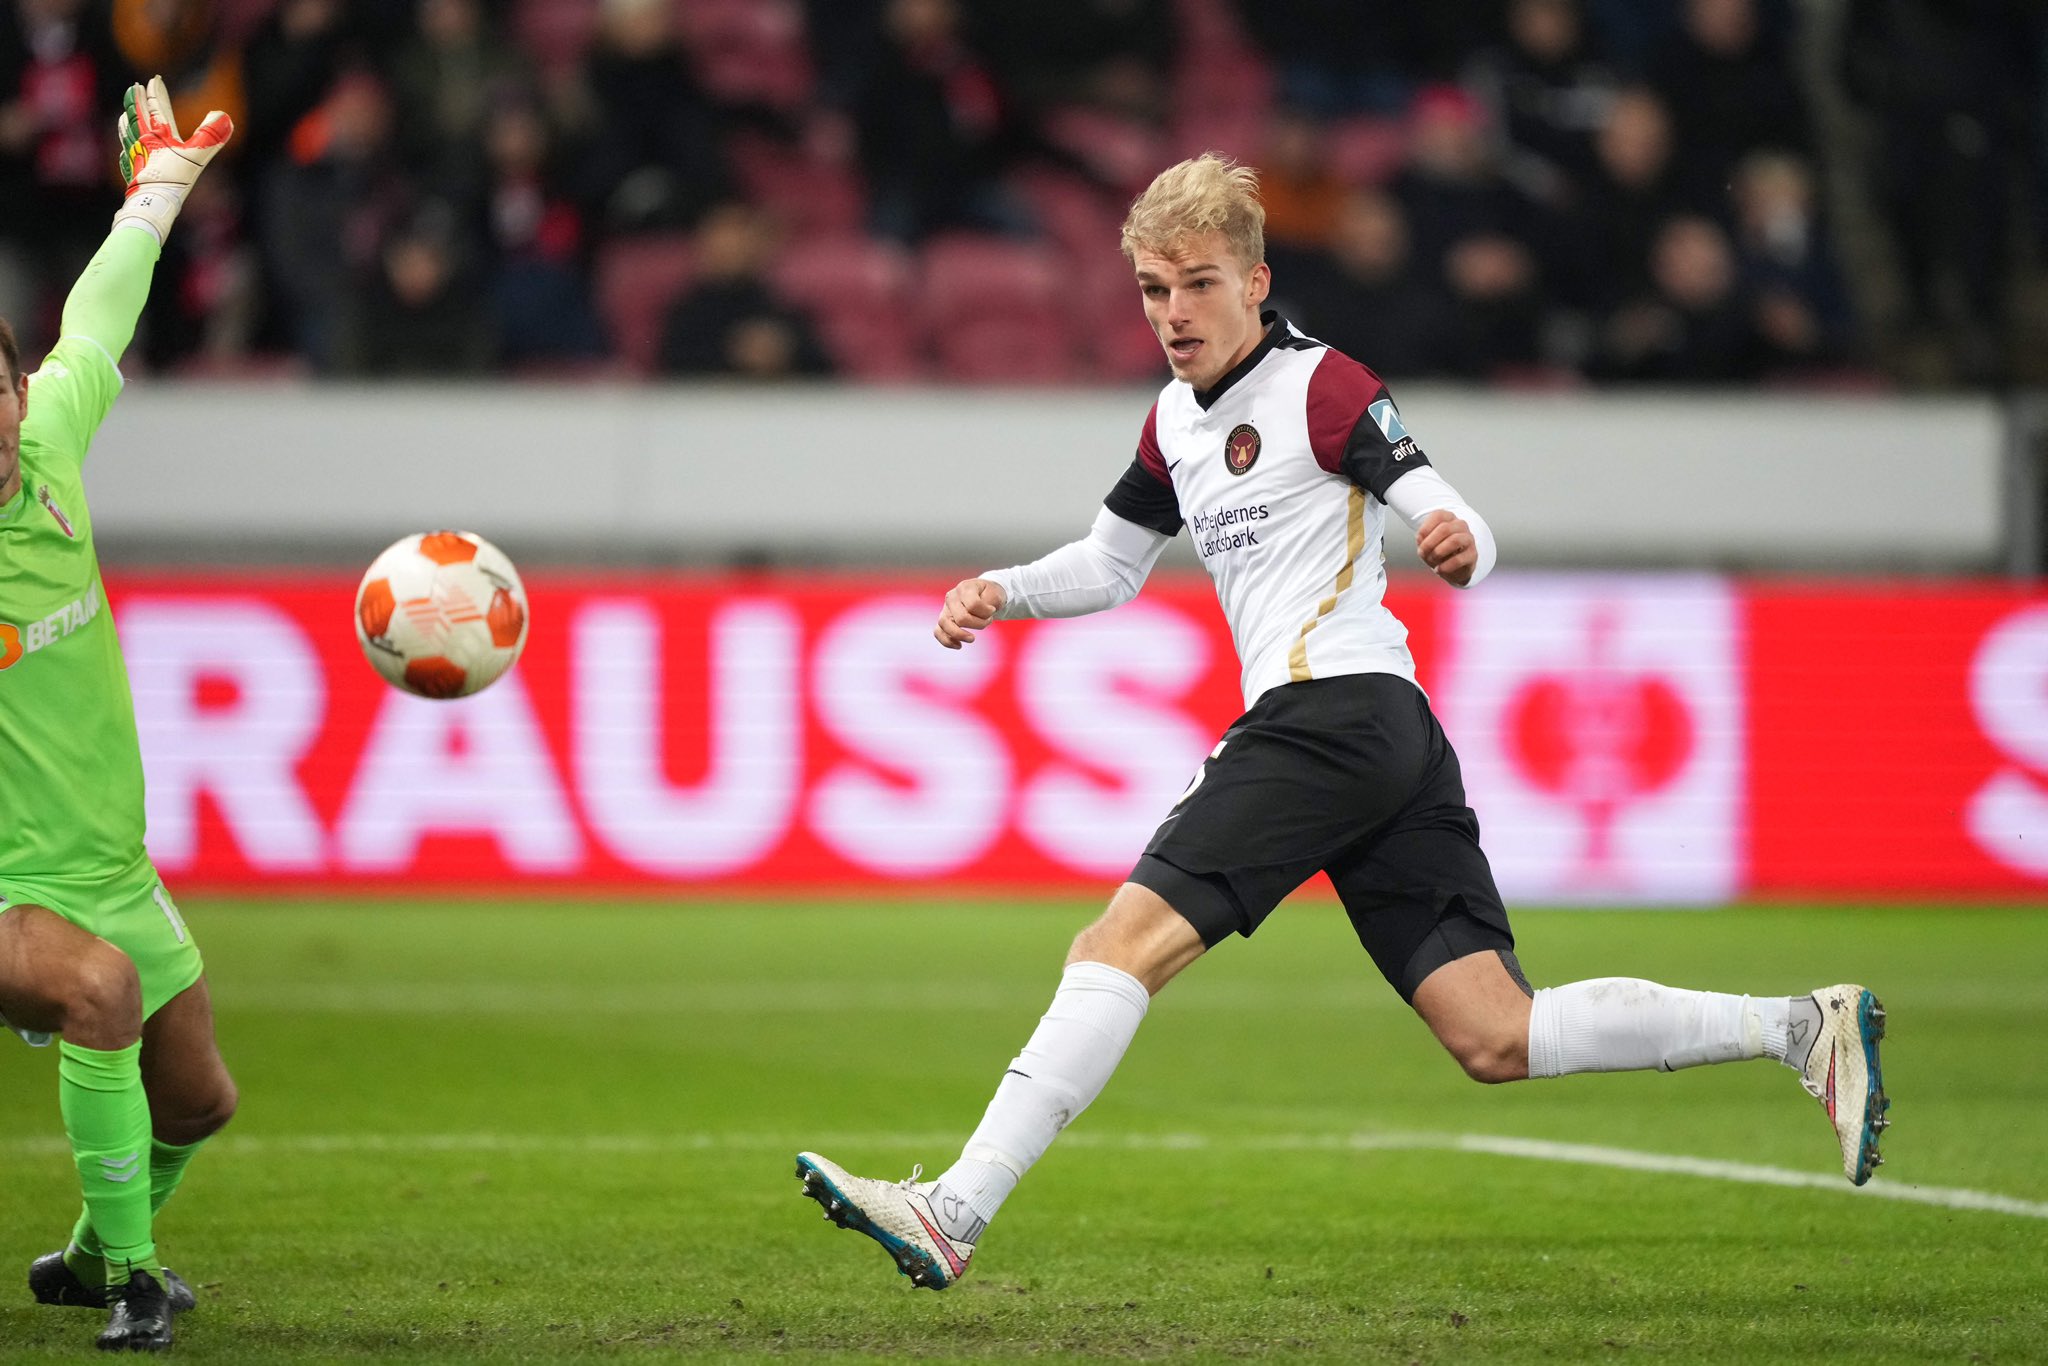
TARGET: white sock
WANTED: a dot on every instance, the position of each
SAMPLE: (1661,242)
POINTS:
(1083,1035)
(1624,1024)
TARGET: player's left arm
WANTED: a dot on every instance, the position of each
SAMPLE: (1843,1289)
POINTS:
(81,378)
(1356,431)
(1450,535)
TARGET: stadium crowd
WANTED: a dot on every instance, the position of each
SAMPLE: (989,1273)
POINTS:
(1541,192)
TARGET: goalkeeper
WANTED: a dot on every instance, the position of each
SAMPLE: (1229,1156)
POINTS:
(92,949)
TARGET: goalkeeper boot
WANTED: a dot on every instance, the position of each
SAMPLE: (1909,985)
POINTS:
(897,1214)
(138,1316)
(52,1281)
(1842,1073)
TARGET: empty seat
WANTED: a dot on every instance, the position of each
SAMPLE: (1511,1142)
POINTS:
(638,278)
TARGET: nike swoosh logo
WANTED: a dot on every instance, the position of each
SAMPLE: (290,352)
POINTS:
(1831,1084)
(945,1244)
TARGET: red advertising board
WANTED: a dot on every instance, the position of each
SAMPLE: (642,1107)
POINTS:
(1640,739)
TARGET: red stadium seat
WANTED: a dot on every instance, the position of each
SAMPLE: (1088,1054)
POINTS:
(966,274)
(1121,151)
(1218,68)
(749,51)
(805,193)
(637,279)
(858,291)
(1001,311)
(555,33)
(844,271)
(874,346)
(1014,349)
(1083,218)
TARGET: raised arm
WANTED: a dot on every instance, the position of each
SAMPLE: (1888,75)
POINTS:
(159,167)
(81,377)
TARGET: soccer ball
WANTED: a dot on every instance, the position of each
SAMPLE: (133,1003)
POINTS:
(441,614)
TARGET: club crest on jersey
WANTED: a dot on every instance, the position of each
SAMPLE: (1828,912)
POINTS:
(49,503)
(1241,447)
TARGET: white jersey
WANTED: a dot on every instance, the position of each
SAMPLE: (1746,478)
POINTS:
(1280,473)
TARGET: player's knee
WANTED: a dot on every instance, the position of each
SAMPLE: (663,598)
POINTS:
(102,999)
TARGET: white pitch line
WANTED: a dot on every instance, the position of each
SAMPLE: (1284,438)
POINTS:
(1496,1145)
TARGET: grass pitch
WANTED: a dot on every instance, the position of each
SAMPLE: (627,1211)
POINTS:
(551,1132)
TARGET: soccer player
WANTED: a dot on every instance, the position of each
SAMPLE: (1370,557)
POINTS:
(92,948)
(1282,457)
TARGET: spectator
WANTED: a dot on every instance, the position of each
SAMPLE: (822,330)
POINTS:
(1802,306)
(936,130)
(654,153)
(417,312)
(1364,296)
(1694,323)
(60,82)
(1111,54)
(1730,83)
(1303,198)
(203,306)
(1951,86)
(290,65)
(445,82)
(1549,95)
(1633,190)
(1498,307)
(729,322)
(1337,58)
(185,40)
(1452,186)
(539,288)
(1633,32)
(330,202)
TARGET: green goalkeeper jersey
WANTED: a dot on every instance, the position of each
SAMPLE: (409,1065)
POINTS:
(70,763)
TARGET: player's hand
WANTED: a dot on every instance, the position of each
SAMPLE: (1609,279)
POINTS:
(158,164)
(971,606)
(1447,546)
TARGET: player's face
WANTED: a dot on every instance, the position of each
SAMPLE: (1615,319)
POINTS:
(13,404)
(1203,306)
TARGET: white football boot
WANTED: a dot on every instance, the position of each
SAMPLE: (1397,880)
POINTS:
(896,1214)
(1842,1073)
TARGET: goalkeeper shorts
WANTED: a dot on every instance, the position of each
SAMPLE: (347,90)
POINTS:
(133,911)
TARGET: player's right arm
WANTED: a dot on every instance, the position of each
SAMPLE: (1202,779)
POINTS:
(81,378)
(1103,569)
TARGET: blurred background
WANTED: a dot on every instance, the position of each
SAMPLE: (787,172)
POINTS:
(747,326)
(1834,194)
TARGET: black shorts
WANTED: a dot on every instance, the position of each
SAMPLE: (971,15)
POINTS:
(1351,776)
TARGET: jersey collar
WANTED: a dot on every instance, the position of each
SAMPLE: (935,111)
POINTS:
(1278,336)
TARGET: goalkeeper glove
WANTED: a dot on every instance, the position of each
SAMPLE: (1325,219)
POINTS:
(159,165)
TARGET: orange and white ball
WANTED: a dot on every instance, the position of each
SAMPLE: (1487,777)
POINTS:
(441,614)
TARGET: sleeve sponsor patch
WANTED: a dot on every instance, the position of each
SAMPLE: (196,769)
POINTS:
(1389,421)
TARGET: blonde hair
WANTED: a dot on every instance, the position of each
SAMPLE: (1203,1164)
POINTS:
(1209,193)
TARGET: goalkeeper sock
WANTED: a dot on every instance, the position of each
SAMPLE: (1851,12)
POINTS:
(1624,1024)
(85,1256)
(167,1168)
(106,1117)
(1063,1068)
